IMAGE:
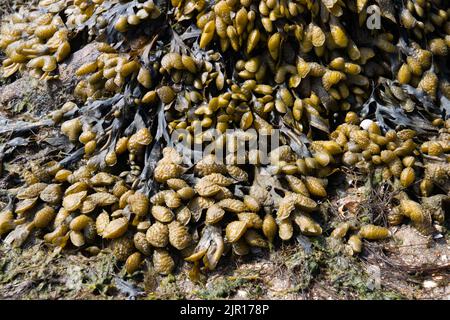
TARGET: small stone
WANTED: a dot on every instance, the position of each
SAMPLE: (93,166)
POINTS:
(428,284)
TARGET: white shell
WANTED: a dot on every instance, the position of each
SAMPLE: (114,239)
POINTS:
(365,124)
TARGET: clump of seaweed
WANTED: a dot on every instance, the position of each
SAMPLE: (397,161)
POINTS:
(340,94)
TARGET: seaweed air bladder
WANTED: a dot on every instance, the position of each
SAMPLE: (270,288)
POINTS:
(203,130)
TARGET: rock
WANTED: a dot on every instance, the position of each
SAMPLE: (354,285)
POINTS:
(428,284)
(417,250)
(67,69)
(30,94)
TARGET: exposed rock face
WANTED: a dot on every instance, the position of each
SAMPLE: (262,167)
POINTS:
(409,241)
(28,91)
(67,69)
